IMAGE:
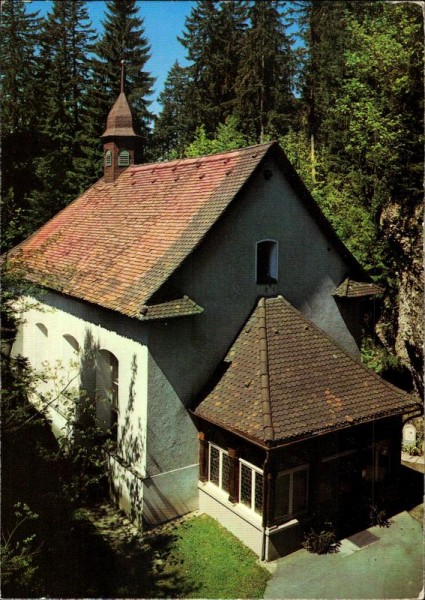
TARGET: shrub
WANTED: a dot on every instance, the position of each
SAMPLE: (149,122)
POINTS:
(324,541)
(378,517)
(414,449)
(18,552)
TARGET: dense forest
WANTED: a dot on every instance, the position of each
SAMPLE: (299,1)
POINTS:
(338,83)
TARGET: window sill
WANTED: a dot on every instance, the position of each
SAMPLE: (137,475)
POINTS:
(239,509)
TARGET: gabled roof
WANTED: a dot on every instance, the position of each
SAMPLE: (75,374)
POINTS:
(119,242)
(287,380)
(357,289)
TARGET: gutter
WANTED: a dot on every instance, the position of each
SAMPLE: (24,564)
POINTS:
(266,503)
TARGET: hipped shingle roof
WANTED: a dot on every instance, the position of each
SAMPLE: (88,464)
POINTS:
(288,380)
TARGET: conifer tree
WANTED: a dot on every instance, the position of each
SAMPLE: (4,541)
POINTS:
(265,78)
(123,39)
(66,40)
(19,114)
(175,123)
(213,39)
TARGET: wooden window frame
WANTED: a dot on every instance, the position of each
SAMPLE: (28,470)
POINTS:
(290,472)
(221,452)
(254,471)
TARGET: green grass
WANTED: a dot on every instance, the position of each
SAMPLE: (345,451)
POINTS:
(213,563)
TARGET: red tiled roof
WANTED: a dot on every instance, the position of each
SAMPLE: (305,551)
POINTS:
(357,289)
(117,243)
(288,380)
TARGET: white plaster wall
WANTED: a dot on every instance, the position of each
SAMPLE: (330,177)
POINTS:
(53,350)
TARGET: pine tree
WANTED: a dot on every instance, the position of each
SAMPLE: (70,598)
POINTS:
(175,124)
(66,40)
(213,39)
(265,79)
(19,114)
(123,39)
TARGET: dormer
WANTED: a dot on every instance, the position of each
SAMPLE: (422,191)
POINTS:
(120,141)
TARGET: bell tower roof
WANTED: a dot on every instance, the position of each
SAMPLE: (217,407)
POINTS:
(120,119)
(121,144)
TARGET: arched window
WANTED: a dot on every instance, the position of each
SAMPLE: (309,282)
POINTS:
(41,348)
(107,392)
(266,262)
(123,158)
(108,158)
(43,330)
(71,358)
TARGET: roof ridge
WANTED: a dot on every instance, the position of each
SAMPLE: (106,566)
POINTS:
(264,372)
(341,349)
(194,159)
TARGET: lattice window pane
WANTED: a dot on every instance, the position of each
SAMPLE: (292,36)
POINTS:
(225,473)
(214,465)
(258,500)
(246,485)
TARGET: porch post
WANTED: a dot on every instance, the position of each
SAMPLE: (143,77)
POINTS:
(234,476)
(203,457)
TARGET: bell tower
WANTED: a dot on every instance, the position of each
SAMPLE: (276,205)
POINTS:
(120,142)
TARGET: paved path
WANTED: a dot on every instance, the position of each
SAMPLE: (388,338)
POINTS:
(390,567)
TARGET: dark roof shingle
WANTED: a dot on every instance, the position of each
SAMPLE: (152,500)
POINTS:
(357,289)
(181,307)
(313,385)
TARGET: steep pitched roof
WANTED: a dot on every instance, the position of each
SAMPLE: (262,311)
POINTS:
(117,243)
(120,119)
(288,380)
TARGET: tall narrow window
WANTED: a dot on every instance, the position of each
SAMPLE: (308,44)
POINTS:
(107,391)
(123,158)
(71,358)
(108,158)
(267,253)
(251,487)
(41,348)
(291,492)
(219,468)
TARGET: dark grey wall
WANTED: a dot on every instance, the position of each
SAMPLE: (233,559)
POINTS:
(220,276)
